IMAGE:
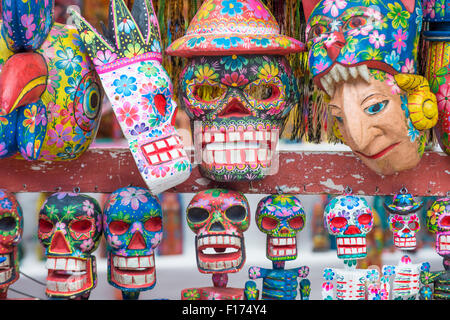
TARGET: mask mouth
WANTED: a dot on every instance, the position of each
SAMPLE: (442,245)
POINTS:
(6,268)
(68,276)
(405,243)
(282,248)
(443,243)
(220,253)
(133,272)
(164,150)
(351,247)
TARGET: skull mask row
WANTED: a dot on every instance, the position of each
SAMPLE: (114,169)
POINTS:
(70,228)
(219,218)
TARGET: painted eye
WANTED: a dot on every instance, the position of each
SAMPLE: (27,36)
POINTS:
(236,213)
(365,219)
(45,226)
(376,108)
(355,22)
(338,222)
(263,92)
(445,221)
(118,227)
(92,101)
(316,31)
(160,104)
(269,223)
(81,226)
(413,225)
(197,215)
(208,93)
(87,103)
(296,223)
(339,119)
(7,224)
(397,225)
(153,224)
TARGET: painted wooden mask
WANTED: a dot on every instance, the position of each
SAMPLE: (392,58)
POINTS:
(237,87)
(365,59)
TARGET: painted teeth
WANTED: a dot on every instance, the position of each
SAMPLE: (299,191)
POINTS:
(65,264)
(5,275)
(444,242)
(351,245)
(6,263)
(211,240)
(339,73)
(72,284)
(133,263)
(220,265)
(405,242)
(164,150)
(282,241)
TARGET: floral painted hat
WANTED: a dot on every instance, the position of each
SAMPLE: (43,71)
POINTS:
(228,27)
(403,203)
(382,36)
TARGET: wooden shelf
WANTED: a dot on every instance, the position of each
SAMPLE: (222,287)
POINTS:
(103,170)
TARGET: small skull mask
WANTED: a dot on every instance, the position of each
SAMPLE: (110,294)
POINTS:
(219,218)
(70,227)
(438,222)
(133,229)
(403,220)
(240,102)
(349,218)
(281,217)
(11,229)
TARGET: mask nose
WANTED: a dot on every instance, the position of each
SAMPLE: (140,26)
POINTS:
(335,45)
(137,242)
(235,108)
(59,244)
(352,230)
(217,227)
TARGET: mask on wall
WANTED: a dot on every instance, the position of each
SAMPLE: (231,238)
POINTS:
(11,229)
(350,219)
(281,217)
(404,220)
(237,87)
(438,222)
(438,64)
(219,219)
(70,227)
(133,229)
(128,60)
(50,96)
(365,59)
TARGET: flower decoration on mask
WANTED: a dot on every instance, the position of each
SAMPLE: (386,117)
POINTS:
(70,228)
(438,222)
(237,87)
(11,230)
(128,60)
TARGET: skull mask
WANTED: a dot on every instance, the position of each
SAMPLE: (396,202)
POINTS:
(11,228)
(403,220)
(133,229)
(281,217)
(349,218)
(238,85)
(140,90)
(70,227)
(219,218)
(438,221)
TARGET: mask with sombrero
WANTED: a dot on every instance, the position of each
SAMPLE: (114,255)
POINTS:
(237,86)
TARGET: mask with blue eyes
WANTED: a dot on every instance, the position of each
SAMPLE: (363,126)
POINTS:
(128,60)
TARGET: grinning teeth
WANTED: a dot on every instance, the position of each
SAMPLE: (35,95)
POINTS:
(342,71)
(5,275)
(335,74)
(353,72)
(326,86)
(65,264)
(72,285)
(140,279)
(133,263)
(364,72)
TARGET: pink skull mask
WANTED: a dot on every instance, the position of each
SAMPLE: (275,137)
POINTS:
(219,218)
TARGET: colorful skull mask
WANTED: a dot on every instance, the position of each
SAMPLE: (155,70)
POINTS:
(364,58)
(50,95)
(237,87)
(281,217)
(349,218)
(11,229)
(70,227)
(438,222)
(404,221)
(133,229)
(219,219)
(128,61)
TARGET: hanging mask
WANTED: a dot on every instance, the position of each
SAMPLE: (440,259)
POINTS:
(438,222)
(365,59)
(70,227)
(50,96)
(281,217)
(350,219)
(133,229)
(237,87)
(219,219)
(128,60)
(11,230)
(404,220)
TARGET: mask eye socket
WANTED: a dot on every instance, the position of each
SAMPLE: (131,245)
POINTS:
(339,222)
(45,226)
(445,221)
(355,22)
(268,223)
(413,225)
(398,225)
(365,219)
(296,223)
(7,224)
(118,227)
(197,215)
(81,226)
(236,213)
(263,92)
(316,31)
(208,93)
(153,224)
(160,104)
